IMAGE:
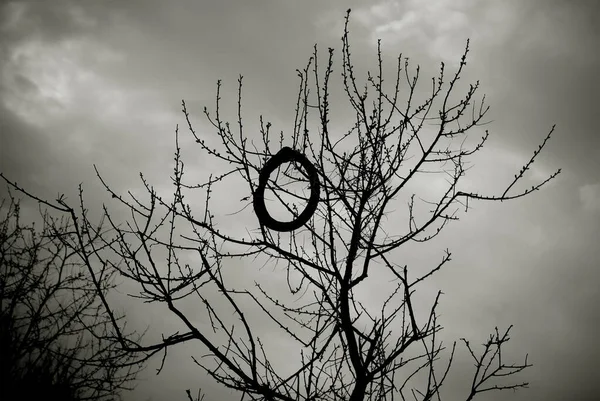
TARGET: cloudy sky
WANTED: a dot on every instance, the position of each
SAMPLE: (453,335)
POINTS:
(101,82)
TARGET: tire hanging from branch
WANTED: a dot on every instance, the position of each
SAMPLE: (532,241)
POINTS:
(286,154)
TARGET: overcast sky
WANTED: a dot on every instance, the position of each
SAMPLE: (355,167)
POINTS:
(86,82)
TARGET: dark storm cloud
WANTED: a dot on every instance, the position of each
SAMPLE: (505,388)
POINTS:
(26,152)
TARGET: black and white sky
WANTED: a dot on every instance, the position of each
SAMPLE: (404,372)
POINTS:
(86,82)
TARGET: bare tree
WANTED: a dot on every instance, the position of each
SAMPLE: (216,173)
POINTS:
(345,350)
(54,336)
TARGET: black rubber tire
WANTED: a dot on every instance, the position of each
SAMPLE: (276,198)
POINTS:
(286,154)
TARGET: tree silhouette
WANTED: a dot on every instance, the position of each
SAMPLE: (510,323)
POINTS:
(346,351)
(54,339)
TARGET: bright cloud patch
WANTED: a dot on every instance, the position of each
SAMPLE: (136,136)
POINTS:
(440,26)
(590,197)
(44,82)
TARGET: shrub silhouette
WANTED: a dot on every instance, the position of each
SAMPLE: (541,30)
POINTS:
(54,338)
